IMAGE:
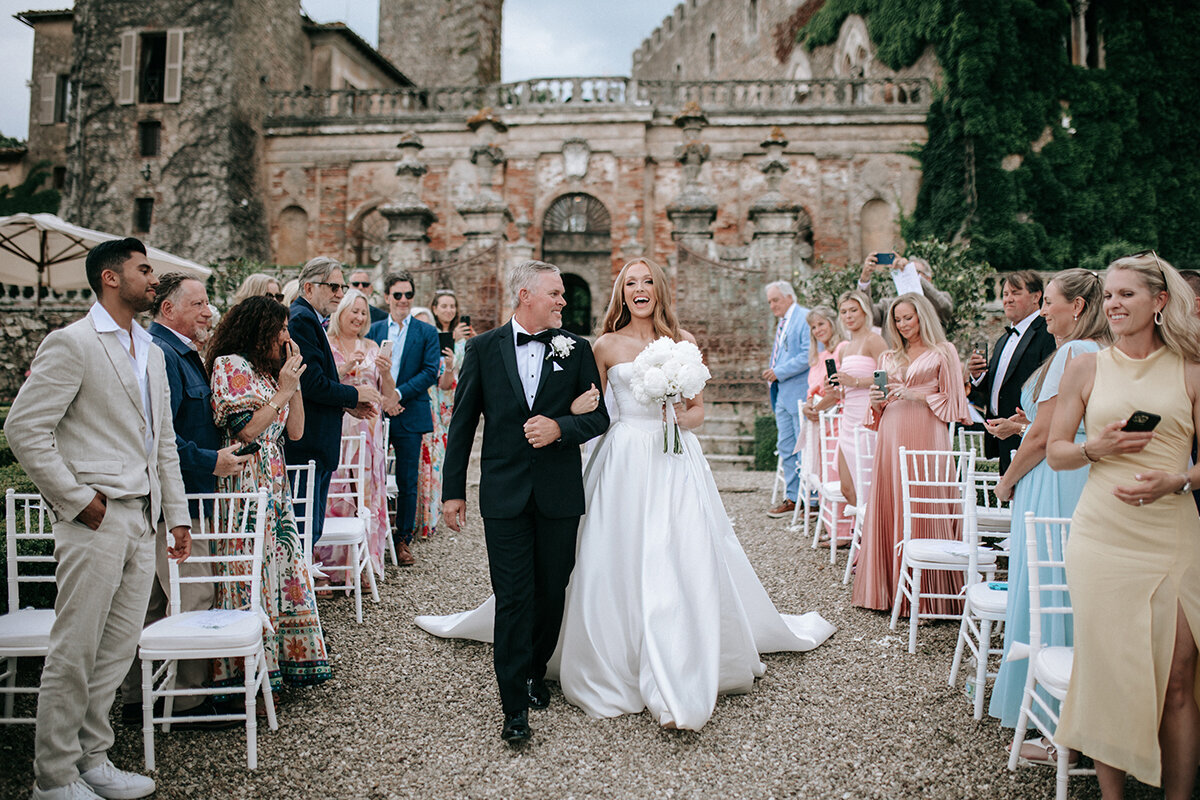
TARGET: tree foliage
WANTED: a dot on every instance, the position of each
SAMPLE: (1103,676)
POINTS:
(30,197)
(1037,162)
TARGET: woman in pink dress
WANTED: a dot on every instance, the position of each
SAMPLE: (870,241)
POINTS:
(925,394)
(856,370)
(360,361)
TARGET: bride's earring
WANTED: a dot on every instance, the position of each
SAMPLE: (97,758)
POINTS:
(1158,317)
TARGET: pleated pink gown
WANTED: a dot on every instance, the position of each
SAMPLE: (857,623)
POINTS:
(916,425)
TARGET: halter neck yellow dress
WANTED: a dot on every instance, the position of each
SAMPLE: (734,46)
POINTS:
(1129,568)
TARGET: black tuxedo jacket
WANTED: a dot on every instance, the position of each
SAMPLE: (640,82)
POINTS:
(326,398)
(512,470)
(1035,347)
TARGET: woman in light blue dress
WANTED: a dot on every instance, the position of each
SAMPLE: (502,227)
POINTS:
(1073,309)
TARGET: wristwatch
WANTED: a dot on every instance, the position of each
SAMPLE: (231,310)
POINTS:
(1187,485)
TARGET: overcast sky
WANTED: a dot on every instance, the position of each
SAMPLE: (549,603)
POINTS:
(542,38)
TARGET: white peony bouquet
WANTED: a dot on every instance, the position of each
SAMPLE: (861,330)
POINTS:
(665,372)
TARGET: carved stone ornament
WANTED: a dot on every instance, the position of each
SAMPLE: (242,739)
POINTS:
(486,116)
(575,157)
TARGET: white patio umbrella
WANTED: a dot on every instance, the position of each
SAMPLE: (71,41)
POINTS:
(45,250)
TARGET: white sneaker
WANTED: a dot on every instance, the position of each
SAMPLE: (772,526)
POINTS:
(72,791)
(116,784)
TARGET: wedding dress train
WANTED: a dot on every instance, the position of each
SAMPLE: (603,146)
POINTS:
(664,610)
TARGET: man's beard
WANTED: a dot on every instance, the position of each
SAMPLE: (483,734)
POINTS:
(138,302)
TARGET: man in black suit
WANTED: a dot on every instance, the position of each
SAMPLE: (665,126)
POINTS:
(326,398)
(522,378)
(1017,354)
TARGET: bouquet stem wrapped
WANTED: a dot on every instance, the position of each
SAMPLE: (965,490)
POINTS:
(665,373)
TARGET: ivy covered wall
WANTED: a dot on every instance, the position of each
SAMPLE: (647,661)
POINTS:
(1037,162)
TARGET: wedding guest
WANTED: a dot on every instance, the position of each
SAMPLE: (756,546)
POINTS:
(1133,557)
(91,428)
(181,312)
(441,400)
(360,361)
(1023,346)
(291,290)
(361,279)
(855,376)
(326,399)
(941,301)
(1074,313)
(414,370)
(255,285)
(256,373)
(787,378)
(925,394)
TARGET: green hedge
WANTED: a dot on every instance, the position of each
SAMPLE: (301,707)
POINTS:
(764,443)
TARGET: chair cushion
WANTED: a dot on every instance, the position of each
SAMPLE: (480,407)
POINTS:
(986,600)
(26,628)
(342,531)
(214,629)
(945,551)
(1052,669)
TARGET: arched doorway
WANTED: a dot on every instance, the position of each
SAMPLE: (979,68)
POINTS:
(577,316)
(576,238)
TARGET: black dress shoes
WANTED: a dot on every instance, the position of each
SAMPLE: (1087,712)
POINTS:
(539,693)
(516,727)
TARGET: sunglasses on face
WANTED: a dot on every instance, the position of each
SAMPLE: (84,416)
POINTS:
(403,295)
(278,297)
(361,284)
(333,287)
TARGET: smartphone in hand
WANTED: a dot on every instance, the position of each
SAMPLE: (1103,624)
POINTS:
(1141,421)
(887,259)
(881,381)
(981,347)
(248,449)
(831,371)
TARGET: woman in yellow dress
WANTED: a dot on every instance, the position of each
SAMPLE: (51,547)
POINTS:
(1133,558)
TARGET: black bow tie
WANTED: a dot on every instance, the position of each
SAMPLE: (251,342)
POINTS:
(1011,329)
(525,338)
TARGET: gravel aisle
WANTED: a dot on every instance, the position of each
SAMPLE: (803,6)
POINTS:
(408,715)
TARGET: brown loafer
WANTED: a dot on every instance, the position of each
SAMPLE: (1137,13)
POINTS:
(403,555)
(782,510)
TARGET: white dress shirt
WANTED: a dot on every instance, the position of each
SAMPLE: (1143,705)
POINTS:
(139,359)
(530,357)
(1006,354)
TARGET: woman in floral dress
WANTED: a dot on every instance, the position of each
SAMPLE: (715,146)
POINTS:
(250,404)
(360,361)
(441,400)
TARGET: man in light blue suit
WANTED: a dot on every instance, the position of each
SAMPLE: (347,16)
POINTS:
(415,360)
(788,379)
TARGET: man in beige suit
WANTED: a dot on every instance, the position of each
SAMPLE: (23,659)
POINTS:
(92,427)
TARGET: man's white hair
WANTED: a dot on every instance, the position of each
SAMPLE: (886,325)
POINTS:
(317,270)
(784,288)
(524,275)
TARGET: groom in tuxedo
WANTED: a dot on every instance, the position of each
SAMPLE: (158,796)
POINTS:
(522,378)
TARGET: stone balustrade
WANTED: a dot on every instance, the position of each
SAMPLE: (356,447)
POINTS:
(13,296)
(591,93)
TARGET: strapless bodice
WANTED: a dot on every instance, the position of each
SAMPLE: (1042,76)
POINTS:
(620,378)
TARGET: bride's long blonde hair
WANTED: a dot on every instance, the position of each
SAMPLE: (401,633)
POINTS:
(664,320)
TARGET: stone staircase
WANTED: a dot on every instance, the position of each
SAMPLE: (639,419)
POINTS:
(727,436)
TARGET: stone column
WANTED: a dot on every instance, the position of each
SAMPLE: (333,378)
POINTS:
(779,224)
(486,215)
(408,217)
(692,213)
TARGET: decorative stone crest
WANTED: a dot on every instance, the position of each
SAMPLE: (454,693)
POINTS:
(575,157)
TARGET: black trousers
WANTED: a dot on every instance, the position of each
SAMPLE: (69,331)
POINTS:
(530,558)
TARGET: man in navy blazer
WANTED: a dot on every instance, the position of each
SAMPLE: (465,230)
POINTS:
(326,398)
(415,359)
(181,313)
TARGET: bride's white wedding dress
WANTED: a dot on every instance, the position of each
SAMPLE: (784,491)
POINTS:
(663,610)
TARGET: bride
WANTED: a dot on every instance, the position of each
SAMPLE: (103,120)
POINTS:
(664,611)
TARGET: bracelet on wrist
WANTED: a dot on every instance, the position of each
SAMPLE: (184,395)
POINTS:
(1083,449)
(272,404)
(1187,485)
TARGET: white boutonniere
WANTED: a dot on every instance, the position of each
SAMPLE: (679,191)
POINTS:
(560,347)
